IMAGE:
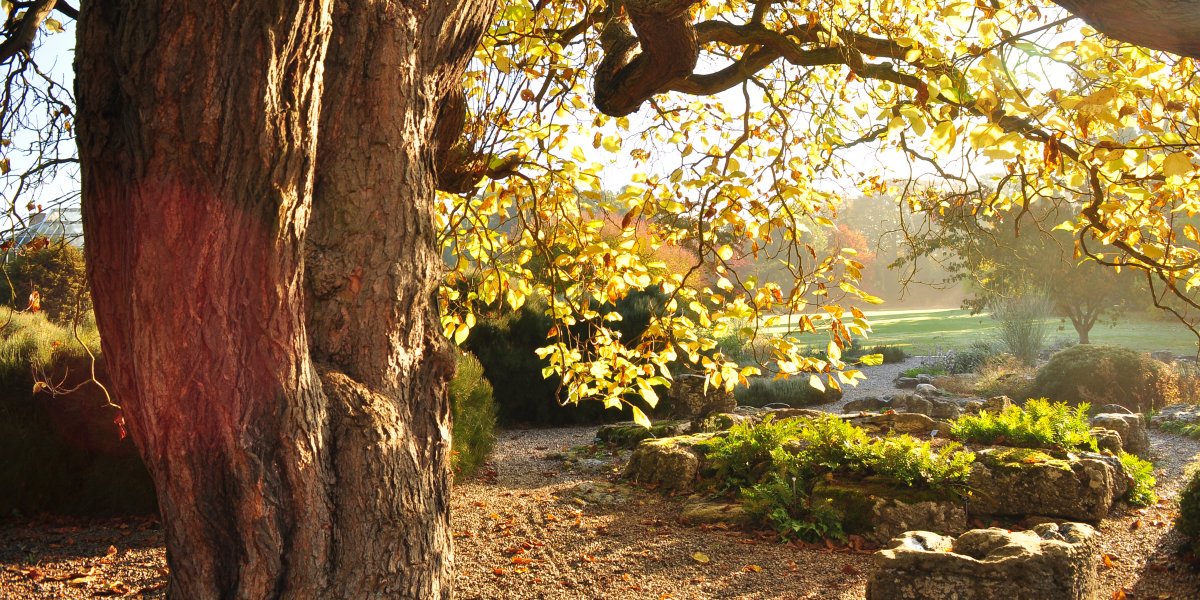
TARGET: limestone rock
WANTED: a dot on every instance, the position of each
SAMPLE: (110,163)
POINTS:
(880,512)
(924,378)
(700,511)
(1051,562)
(628,434)
(1107,440)
(1019,481)
(910,403)
(906,382)
(910,423)
(690,399)
(1132,429)
(927,390)
(996,404)
(723,421)
(796,413)
(1112,408)
(867,404)
(945,409)
(671,463)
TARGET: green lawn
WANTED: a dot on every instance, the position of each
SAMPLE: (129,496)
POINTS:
(930,330)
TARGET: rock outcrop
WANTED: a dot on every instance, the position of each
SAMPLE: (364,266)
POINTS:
(1020,482)
(1051,562)
(690,399)
(1131,428)
(671,464)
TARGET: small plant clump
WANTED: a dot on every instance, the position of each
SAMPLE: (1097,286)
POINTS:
(889,354)
(1040,424)
(924,370)
(474,414)
(775,464)
(1188,522)
(792,391)
(1191,430)
(1141,493)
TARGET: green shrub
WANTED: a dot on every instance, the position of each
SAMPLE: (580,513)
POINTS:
(474,415)
(1107,375)
(776,464)
(891,354)
(1188,522)
(1040,424)
(912,462)
(1191,430)
(793,391)
(738,458)
(970,359)
(784,505)
(1141,493)
(57,272)
(924,370)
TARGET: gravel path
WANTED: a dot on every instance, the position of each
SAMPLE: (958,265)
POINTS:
(521,531)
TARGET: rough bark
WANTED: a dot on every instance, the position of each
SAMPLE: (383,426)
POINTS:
(199,147)
(374,268)
(1171,25)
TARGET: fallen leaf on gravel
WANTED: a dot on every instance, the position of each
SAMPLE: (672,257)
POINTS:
(1119,595)
(849,569)
(1109,561)
(499,571)
(115,588)
(522,560)
(701,558)
(80,580)
(112,551)
(753,569)
(589,558)
(1136,524)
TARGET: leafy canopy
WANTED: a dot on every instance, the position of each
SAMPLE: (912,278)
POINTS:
(737,129)
(984,108)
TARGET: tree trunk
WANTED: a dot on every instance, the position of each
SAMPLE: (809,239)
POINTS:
(198,128)
(374,267)
(1082,330)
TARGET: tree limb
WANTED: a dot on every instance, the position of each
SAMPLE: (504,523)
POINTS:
(1171,25)
(26,30)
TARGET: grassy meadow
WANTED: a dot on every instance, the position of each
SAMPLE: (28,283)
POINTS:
(927,331)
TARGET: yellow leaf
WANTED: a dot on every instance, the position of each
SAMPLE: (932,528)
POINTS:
(701,558)
(1177,165)
(816,383)
(640,417)
(945,136)
(872,360)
